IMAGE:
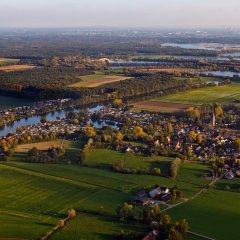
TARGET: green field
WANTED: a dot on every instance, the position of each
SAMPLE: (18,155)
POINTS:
(231,185)
(214,214)
(89,227)
(190,180)
(105,158)
(6,61)
(222,94)
(96,227)
(14,225)
(36,196)
(97,79)
(42,199)
(96,75)
(193,173)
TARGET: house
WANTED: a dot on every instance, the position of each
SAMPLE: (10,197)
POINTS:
(157,143)
(238,173)
(152,235)
(229,175)
(168,139)
(129,149)
(164,190)
(143,200)
(165,197)
(155,192)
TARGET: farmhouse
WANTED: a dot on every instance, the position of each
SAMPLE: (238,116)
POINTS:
(158,193)
(155,192)
(151,236)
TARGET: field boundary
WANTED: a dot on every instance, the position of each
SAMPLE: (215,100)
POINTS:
(200,235)
(55,177)
(54,230)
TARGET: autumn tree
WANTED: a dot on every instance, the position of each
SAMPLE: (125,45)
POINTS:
(138,132)
(89,131)
(169,128)
(193,112)
(125,211)
(236,144)
(117,102)
(218,111)
(72,213)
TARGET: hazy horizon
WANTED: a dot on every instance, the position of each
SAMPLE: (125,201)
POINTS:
(116,13)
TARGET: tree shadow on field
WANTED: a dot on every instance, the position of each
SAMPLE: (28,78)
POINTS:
(54,214)
(163,165)
(45,224)
(104,236)
(19,157)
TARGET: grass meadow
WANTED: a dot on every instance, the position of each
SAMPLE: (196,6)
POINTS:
(216,94)
(97,227)
(105,158)
(97,79)
(214,213)
(36,196)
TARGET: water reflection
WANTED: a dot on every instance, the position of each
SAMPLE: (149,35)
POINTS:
(12,127)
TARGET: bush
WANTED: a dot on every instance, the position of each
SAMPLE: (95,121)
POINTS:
(61,223)
(118,167)
(72,213)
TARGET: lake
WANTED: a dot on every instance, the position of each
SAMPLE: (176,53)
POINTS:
(203,46)
(222,73)
(237,54)
(9,102)
(12,127)
(138,62)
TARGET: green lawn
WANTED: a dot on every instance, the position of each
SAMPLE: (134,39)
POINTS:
(215,214)
(41,198)
(95,227)
(105,158)
(193,173)
(21,227)
(38,195)
(233,185)
(222,94)
(190,179)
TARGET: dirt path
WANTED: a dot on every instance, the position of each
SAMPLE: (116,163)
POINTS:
(204,189)
(200,235)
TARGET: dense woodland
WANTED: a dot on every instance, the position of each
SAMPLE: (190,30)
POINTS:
(42,78)
(90,43)
(53,82)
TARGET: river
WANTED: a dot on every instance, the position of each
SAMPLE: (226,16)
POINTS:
(12,127)
(204,46)
(142,63)
(222,73)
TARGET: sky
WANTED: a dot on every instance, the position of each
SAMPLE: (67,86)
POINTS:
(120,13)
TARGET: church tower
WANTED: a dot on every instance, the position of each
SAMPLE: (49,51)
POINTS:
(213,120)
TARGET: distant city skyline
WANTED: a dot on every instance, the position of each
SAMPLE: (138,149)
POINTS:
(120,13)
